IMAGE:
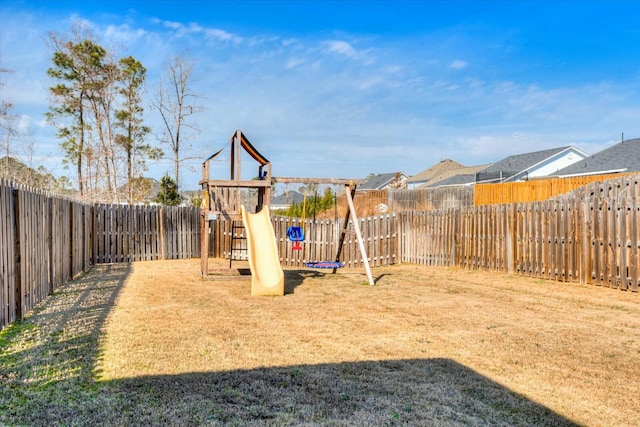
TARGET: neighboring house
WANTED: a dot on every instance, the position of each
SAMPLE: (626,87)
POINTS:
(622,157)
(284,201)
(522,167)
(434,171)
(394,180)
(463,176)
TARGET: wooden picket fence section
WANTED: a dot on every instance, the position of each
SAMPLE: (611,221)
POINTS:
(376,202)
(128,233)
(321,241)
(590,236)
(43,242)
(534,190)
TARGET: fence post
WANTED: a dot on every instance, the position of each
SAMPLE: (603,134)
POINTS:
(161,233)
(68,207)
(49,238)
(510,237)
(16,251)
(399,239)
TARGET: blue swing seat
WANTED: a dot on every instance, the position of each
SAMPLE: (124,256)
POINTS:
(295,233)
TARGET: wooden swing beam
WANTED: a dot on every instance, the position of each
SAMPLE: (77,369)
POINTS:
(334,181)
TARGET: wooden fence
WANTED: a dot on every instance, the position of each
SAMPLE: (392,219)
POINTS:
(321,241)
(127,233)
(375,202)
(43,242)
(532,191)
(46,240)
(591,235)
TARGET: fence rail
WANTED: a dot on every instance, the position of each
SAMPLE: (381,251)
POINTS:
(590,235)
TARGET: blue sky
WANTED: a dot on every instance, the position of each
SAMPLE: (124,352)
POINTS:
(344,89)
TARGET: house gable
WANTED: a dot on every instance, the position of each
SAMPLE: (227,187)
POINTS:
(456,177)
(284,201)
(531,165)
(385,180)
(434,171)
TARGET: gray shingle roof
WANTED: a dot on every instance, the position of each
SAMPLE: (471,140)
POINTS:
(449,176)
(624,155)
(521,162)
(379,181)
(287,199)
(460,179)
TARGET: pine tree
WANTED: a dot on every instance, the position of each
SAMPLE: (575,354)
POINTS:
(168,194)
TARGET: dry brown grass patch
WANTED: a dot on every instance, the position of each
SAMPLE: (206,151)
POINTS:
(574,349)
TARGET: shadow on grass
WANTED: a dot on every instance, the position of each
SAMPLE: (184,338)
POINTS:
(47,360)
(393,392)
(294,278)
(47,377)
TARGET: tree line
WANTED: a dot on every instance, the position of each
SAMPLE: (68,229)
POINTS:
(97,106)
(312,204)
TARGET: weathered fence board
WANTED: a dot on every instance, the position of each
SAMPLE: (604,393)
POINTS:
(46,240)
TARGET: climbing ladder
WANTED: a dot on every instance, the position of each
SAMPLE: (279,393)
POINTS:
(237,237)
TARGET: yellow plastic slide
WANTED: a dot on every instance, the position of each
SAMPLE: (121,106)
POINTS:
(267,277)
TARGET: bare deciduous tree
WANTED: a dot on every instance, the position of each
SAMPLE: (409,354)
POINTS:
(175,101)
(7,130)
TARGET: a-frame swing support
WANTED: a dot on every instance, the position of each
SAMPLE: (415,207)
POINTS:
(350,191)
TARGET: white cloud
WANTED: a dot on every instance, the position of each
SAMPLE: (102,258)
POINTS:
(170,24)
(340,47)
(458,64)
(123,33)
(343,48)
(222,35)
(294,62)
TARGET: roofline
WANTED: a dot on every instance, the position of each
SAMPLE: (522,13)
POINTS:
(600,172)
(554,155)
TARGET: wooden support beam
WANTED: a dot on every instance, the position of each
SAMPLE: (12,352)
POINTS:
(356,226)
(254,183)
(345,224)
(335,181)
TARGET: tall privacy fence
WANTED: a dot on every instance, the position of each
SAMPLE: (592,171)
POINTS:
(591,235)
(534,190)
(46,240)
